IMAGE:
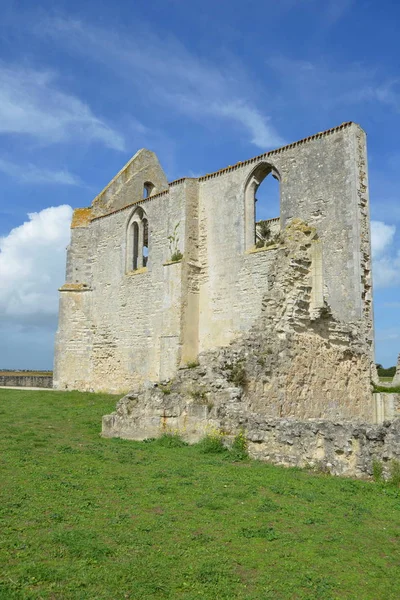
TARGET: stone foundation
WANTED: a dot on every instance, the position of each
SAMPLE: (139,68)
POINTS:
(396,378)
(338,447)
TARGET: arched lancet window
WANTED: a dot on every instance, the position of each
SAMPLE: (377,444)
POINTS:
(262,206)
(148,189)
(137,246)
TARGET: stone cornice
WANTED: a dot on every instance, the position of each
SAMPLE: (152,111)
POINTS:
(311,138)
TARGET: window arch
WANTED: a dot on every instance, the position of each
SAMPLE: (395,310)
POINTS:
(258,223)
(148,189)
(137,246)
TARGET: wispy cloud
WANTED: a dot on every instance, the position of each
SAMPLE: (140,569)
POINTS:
(30,174)
(334,10)
(164,71)
(32,104)
(382,236)
(333,84)
(386,260)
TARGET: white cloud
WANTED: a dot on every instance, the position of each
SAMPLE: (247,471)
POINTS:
(387,271)
(382,236)
(32,174)
(164,71)
(386,259)
(262,134)
(31,104)
(32,266)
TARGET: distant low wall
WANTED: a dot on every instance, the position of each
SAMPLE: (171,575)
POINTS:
(22,380)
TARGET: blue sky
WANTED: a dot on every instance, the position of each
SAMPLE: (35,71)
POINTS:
(203,84)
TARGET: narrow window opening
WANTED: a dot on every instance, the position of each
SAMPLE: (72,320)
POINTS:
(147,189)
(262,207)
(267,199)
(267,211)
(135,237)
(145,241)
(137,243)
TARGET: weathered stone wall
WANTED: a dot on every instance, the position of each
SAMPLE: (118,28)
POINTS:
(40,381)
(296,361)
(324,183)
(305,337)
(396,378)
(387,406)
(117,328)
(338,447)
(128,184)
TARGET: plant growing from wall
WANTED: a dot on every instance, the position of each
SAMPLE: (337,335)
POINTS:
(192,364)
(173,240)
(265,238)
(237,374)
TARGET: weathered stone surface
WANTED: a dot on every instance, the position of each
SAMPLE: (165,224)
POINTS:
(396,378)
(341,448)
(275,340)
(296,361)
(119,328)
(26,380)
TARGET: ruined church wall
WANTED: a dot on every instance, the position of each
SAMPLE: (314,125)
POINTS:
(73,343)
(126,329)
(232,281)
(118,330)
(324,183)
(128,184)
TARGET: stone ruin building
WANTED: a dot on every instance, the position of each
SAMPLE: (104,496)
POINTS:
(205,319)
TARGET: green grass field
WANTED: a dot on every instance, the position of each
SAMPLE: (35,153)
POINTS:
(89,518)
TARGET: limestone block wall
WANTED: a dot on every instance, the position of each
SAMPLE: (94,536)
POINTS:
(129,183)
(121,328)
(26,380)
(74,340)
(232,280)
(339,448)
(295,361)
(387,406)
(324,183)
(396,378)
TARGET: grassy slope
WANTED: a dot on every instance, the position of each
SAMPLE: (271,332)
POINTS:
(88,518)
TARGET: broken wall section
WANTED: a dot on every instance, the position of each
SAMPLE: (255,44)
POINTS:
(296,361)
